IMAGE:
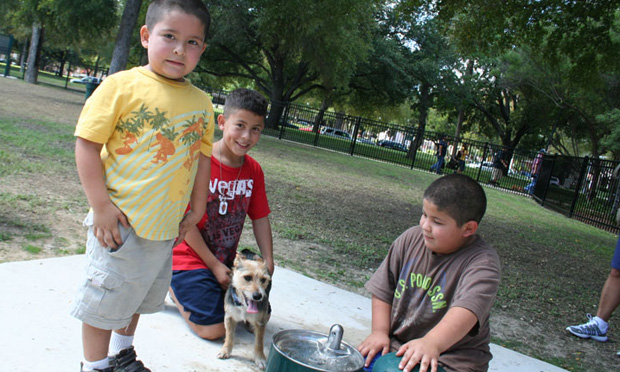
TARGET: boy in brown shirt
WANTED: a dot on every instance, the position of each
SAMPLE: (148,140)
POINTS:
(432,295)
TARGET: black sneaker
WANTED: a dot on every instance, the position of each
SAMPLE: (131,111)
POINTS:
(125,361)
(109,369)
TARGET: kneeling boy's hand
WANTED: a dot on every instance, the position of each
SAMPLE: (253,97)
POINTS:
(418,352)
(222,274)
(190,220)
(376,343)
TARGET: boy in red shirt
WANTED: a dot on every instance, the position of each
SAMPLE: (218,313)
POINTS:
(201,264)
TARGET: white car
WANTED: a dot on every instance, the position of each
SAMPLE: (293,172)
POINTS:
(485,166)
(86,79)
(335,132)
(554,181)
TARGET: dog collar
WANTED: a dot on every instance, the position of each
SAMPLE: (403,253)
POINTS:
(235,298)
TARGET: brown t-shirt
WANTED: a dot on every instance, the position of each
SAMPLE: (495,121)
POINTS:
(422,286)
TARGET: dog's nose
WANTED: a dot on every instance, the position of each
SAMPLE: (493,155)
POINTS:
(257,296)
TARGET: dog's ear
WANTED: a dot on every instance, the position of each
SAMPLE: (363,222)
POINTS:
(238,260)
(249,255)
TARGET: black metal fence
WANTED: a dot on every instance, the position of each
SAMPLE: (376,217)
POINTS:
(580,188)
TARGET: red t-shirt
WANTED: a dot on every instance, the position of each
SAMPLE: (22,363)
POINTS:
(237,192)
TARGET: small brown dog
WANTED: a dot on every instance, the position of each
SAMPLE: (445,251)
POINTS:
(247,300)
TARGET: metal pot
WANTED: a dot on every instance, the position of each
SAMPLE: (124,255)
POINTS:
(301,351)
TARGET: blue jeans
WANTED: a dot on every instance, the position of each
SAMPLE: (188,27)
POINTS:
(530,188)
(437,166)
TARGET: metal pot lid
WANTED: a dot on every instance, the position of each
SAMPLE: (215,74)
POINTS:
(319,351)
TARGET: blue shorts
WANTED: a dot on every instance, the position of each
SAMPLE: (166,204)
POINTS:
(200,294)
(615,260)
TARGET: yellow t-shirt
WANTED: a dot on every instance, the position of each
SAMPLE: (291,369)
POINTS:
(153,130)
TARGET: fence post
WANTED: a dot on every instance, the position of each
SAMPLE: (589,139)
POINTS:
(484,156)
(418,140)
(584,167)
(285,120)
(356,129)
(544,196)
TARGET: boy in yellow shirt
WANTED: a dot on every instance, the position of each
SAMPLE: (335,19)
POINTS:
(142,138)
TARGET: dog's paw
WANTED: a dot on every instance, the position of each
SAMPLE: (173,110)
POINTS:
(261,363)
(224,354)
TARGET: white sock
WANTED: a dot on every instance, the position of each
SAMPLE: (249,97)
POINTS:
(99,364)
(119,342)
(602,325)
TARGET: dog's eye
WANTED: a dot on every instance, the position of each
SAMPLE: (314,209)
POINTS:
(248,278)
(263,280)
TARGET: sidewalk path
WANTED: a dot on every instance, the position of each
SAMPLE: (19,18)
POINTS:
(38,334)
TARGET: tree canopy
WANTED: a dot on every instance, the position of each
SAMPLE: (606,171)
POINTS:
(527,73)
(287,49)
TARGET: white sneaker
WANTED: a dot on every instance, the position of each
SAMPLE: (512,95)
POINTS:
(588,330)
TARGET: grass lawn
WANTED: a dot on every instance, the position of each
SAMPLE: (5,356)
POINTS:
(45,77)
(344,212)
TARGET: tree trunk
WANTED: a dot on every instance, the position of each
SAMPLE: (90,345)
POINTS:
(96,66)
(22,58)
(33,55)
(278,100)
(594,143)
(125,33)
(457,132)
(469,70)
(61,67)
(325,104)
(423,106)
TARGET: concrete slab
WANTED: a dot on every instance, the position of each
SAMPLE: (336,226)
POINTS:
(38,334)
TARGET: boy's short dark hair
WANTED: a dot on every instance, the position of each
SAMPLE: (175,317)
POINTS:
(459,196)
(159,8)
(246,99)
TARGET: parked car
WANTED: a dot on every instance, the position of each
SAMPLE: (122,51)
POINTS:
(485,166)
(392,145)
(289,125)
(554,181)
(365,140)
(86,79)
(335,132)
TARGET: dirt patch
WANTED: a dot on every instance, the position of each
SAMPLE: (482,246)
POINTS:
(48,216)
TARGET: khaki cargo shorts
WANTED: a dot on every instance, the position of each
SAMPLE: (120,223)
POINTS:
(132,279)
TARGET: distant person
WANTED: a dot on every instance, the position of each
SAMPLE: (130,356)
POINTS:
(442,148)
(535,171)
(144,139)
(433,293)
(500,166)
(460,157)
(596,328)
(202,263)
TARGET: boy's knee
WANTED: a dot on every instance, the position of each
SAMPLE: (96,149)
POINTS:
(210,332)
(615,273)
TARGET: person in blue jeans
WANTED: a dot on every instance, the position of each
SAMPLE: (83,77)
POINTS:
(597,326)
(442,148)
(536,166)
